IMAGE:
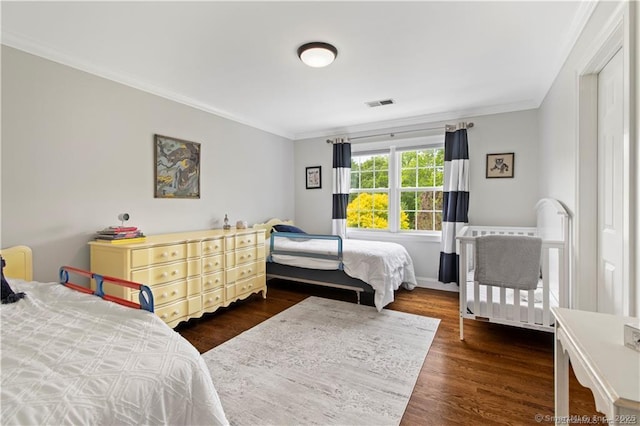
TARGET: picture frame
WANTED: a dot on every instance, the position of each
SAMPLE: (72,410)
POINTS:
(314,177)
(500,165)
(177,168)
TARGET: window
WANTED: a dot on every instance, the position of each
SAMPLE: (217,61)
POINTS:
(397,189)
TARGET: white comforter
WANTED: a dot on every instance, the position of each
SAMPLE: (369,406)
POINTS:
(72,358)
(384,266)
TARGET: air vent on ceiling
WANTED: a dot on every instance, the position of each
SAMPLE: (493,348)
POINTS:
(380,103)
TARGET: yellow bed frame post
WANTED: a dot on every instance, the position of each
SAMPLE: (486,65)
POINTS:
(19,261)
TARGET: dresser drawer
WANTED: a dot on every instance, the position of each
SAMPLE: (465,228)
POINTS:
(169,293)
(245,255)
(156,255)
(160,274)
(211,281)
(194,286)
(247,240)
(212,264)
(213,298)
(230,292)
(173,312)
(246,286)
(210,247)
(261,267)
(241,256)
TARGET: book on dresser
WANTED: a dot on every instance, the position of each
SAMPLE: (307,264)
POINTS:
(116,234)
(189,273)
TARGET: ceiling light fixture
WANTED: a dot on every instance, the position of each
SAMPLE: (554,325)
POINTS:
(317,54)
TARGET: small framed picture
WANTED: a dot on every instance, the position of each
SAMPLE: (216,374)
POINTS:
(314,177)
(500,165)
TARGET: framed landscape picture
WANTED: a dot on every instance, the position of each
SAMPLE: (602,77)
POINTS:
(314,177)
(177,168)
(500,165)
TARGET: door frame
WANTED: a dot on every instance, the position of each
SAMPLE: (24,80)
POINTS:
(616,34)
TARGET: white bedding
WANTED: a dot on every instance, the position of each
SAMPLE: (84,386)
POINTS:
(72,358)
(383,265)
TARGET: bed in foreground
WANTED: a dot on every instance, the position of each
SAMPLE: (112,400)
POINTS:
(373,267)
(73,358)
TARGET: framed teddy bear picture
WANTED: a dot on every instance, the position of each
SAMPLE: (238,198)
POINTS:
(500,165)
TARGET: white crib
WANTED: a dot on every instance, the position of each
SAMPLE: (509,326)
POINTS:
(521,308)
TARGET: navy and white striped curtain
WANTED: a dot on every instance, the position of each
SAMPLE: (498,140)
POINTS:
(455,200)
(341,184)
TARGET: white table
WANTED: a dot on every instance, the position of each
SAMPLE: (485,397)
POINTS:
(595,344)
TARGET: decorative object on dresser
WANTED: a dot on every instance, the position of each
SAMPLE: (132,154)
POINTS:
(189,273)
(177,168)
(322,362)
(121,233)
(226,225)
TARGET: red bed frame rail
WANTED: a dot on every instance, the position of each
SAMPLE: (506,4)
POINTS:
(145,296)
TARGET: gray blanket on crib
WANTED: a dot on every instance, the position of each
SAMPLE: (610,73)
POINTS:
(508,261)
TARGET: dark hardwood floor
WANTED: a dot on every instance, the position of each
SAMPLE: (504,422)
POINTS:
(497,375)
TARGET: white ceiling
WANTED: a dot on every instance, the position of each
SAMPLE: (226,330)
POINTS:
(436,60)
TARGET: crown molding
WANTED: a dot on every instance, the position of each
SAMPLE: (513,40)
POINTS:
(27,45)
(396,124)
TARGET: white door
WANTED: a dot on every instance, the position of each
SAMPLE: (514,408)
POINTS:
(611,286)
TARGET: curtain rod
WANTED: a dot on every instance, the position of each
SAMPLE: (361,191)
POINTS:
(447,127)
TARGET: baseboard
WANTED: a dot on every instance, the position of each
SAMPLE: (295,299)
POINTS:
(435,284)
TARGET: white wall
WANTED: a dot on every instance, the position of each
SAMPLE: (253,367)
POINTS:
(77,150)
(636,143)
(559,136)
(508,202)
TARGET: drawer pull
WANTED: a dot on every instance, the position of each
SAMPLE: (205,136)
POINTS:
(244,288)
(217,280)
(241,257)
(175,272)
(164,275)
(249,270)
(208,283)
(163,316)
(176,312)
(217,297)
(249,256)
(164,254)
(208,265)
(242,273)
(163,295)
(209,300)
(174,292)
(174,253)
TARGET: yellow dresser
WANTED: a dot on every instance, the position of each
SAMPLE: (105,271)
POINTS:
(189,273)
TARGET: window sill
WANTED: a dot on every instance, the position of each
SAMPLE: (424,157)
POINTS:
(393,236)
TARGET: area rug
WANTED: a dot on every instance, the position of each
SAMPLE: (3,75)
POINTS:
(322,362)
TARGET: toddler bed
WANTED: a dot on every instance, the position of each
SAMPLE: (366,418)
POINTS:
(511,305)
(74,358)
(373,267)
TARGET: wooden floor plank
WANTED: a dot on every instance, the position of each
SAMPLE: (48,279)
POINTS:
(497,375)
